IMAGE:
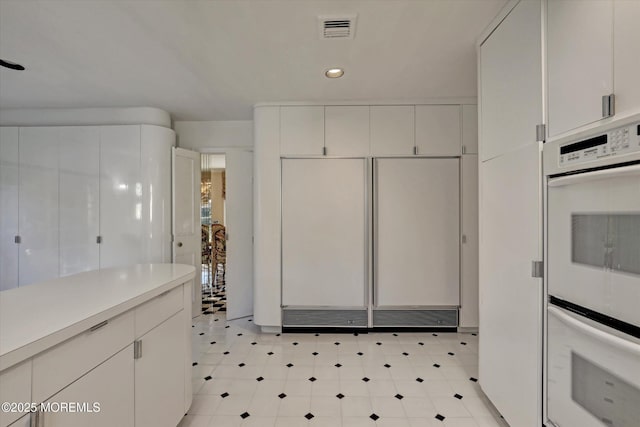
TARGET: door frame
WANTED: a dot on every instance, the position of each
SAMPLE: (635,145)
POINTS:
(225,151)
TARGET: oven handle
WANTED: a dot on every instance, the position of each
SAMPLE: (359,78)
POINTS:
(595,175)
(595,333)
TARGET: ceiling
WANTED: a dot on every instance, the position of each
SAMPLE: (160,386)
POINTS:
(213,60)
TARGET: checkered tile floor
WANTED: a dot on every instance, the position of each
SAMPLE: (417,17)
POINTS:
(242,377)
(214,302)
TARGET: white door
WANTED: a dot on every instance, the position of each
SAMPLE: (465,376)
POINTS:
(324,232)
(417,232)
(239,224)
(510,310)
(186,217)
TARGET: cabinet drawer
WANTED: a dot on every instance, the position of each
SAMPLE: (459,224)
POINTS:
(152,313)
(15,387)
(56,368)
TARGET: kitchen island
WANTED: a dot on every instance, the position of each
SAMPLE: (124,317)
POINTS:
(115,343)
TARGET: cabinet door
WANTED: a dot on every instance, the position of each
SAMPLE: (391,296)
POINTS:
(511,82)
(120,196)
(160,375)
(110,385)
(510,299)
(469,250)
(347,131)
(417,232)
(579,61)
(469,129)
(15,386)
(156,143)
(39,220)
(9,190)
(301,131)
(323,232)
(438,130)
(392,130)
(79,161)
(626,61)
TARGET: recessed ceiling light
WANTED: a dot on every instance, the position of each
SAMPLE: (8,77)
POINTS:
(334,73)
(11,65)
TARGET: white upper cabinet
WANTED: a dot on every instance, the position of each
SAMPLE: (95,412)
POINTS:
(79,161)
(438,130)
(38,204)
(511,82)
(579,61)
(120,196)
(302,130)
(626,57)
(9,191)
(469,129)
(347,130)
(392,130)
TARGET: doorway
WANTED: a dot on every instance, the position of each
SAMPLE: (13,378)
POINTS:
(213,232)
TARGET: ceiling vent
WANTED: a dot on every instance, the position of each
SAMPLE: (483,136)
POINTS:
(337,27)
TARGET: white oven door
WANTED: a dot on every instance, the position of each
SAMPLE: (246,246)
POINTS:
(593,375)
(594,241)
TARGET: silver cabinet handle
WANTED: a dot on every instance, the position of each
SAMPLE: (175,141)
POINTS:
(98,326)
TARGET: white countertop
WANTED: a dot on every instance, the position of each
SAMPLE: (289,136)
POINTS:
(36,317)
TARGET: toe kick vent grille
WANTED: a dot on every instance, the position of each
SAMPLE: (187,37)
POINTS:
(416,318)
(337,27)
(319,317)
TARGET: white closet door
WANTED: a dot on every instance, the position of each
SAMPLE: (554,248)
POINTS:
(9,190)
(417,251)
(324,232)
(120,196)
(79,199)
(38,204)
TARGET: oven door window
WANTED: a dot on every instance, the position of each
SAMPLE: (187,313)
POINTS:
(610,241)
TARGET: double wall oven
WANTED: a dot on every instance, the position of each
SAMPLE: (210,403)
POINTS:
(593,278)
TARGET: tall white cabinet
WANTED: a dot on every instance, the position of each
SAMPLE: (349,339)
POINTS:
(79,203)
(510,309)
(358,216)
(78,198)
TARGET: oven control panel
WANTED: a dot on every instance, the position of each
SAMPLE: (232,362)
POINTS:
(623,140)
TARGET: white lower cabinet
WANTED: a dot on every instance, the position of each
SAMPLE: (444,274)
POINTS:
(159,375)
(109,386)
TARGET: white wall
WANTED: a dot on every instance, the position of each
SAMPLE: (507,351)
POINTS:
(208,136)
